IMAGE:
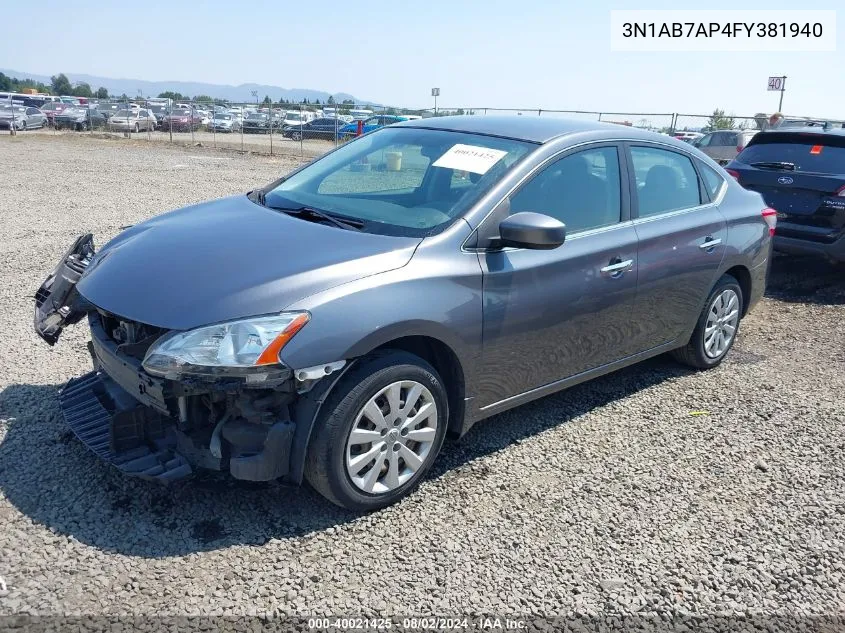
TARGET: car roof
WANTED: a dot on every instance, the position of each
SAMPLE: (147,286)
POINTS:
(807,129)
(535,129)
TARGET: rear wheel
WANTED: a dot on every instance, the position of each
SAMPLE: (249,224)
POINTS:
(296,136)
(379,432)
(717,327)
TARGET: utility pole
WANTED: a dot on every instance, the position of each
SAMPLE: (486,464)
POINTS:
(782,88)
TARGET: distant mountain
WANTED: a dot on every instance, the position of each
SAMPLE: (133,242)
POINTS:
(241,93)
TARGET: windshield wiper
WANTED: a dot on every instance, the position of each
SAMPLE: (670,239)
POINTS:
(315,214)
(775,165)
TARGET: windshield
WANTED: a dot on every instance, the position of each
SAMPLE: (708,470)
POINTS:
(257,115)
(224,117)
(817,153)
(402,181)
(293,116)
(126,113)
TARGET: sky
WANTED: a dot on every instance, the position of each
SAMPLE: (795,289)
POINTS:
(550,54)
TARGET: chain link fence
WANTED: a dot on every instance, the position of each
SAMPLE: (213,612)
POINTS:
(309,130)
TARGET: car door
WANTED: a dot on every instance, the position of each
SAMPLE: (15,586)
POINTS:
(552,314)
(682,237)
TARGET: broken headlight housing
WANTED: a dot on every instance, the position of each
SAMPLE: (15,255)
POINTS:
(247,348)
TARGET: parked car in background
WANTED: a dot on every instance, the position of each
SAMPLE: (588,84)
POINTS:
(181,120)
(80,118)
(51,109)
(688,137)
(723,145)
(132,121)
(373,123)
(325,128)
(108,109)
(800,172)
(159,111)
(414,281)
(224,122)
(297,117)
(258,123)
(13,117)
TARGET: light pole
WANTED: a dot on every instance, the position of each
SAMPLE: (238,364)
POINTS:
(435,92)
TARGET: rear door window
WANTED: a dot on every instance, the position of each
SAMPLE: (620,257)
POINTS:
(666,181)
(815,153)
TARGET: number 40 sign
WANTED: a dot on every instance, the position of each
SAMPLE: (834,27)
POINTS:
(777,83)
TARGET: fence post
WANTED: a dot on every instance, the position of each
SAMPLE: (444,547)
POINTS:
(674,123)
(243,116)
(270,111)
(191,116)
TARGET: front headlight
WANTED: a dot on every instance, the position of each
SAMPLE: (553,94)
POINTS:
(235,348)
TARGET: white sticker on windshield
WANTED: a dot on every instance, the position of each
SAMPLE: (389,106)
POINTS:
(472,158)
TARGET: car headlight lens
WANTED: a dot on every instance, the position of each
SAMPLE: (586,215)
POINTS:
(236,348)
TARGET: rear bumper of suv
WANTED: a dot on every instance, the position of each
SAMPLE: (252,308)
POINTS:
(794,246)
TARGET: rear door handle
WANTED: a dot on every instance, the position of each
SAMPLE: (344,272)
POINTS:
(617,268)
(710,243)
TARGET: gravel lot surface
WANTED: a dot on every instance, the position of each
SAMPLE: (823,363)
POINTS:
(653,490)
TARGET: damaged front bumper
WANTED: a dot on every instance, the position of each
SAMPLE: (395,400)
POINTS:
(153,427)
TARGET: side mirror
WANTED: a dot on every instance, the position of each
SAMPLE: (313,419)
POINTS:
(532,230)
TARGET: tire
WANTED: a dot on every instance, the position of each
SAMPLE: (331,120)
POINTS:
(331,456)
(696,353)
(296,136)
(137,128)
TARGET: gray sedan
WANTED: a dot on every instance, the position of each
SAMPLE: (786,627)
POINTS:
(21,117)
(335,325)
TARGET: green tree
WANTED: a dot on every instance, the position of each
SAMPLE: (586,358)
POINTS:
(61,84)
(348,102)
(267,100)
(5,83)
(169,94)
(82,89)
(330,100)
(719,121)
(102,93)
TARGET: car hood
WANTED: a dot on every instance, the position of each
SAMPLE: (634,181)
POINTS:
(229,259)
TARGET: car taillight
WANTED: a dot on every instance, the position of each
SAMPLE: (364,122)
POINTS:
(841,191)
(733,173)
(771,218)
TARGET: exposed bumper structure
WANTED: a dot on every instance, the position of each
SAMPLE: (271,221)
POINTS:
(108,421)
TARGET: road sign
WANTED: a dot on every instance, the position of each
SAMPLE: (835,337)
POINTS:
(777,83)
(435,92)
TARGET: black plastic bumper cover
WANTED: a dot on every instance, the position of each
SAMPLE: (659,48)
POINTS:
(82,404)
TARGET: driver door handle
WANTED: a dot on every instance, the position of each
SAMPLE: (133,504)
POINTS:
(616,268)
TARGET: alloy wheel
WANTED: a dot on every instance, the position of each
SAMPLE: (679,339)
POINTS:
(722,321)
(391,437)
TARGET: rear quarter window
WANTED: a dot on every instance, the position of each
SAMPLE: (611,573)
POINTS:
(810,153)
(713,182)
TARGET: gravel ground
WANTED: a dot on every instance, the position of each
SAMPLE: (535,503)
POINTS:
(610,498)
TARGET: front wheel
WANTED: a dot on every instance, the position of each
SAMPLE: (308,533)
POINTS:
(379,432)
(296,136)
(717,327)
